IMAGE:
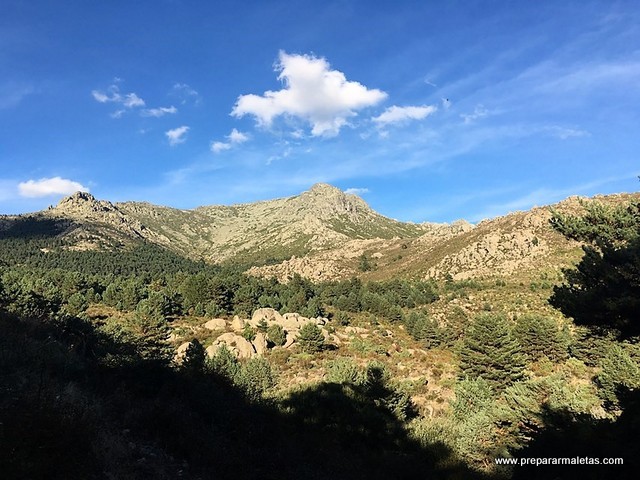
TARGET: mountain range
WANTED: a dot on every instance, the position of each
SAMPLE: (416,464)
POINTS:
(321,234)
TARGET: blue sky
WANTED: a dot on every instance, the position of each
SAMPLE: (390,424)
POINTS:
(431,111)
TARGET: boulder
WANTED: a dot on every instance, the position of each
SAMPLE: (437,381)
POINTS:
(260,343)
(293,321)
(237,324)
(354,330)
(216,324)
(237,344)
(291,339)
(212,350)
(325,333)
(181,352)
(269,315)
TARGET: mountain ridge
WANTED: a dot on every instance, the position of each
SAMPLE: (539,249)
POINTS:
(322,234)
(267,231)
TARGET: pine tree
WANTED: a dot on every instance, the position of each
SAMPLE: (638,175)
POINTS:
(421,327)
(539,336)
(603,291)
(194,358)
(489,351)
(619,370)
(310,338)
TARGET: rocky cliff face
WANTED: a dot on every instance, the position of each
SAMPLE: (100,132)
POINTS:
(86,210)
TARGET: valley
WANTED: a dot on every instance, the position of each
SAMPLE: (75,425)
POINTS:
(451,341)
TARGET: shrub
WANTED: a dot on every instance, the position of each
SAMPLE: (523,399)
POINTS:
(618,371)
(343,370)
(255,377)
(249,332)
(224,363)
(342,318)
(276,335)
(310,338)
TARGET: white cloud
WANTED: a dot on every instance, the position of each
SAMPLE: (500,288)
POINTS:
(478,112)
(356,191)
(217,147)
(563,133)
(131,100)
(177,135)
(101,97)
(113,95)
(158,112)
(313,92)
(184,92)
(234,138)
(397,114)
(237,137)
(286,153)
(49,186)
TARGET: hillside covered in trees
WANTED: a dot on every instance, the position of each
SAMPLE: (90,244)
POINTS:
(388,378)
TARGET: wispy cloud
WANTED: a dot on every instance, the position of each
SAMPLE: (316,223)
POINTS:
(546,196)
(397,114)
(587,76)
(158,112)
(113,95)
(185,93)
(356,191)
(234,138)
(313,93)
(479,112)
(564,133)
(285,154)
(49,186)
(11,93)
(177,135)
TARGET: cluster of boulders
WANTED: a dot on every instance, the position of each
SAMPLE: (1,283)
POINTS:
(291,323)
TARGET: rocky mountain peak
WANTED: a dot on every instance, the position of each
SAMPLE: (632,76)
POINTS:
(83,204)
(77,197)
(324,189)
(326,201)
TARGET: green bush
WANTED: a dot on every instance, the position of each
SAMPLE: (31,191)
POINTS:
(249,333)
(343,370)
(619,370)
(255,377)
(224,363)
(310,338)
(276,335)
(342,318)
